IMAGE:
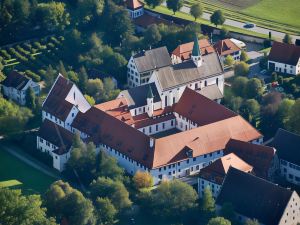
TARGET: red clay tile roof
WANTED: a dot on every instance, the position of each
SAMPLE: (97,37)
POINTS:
(184,51)
(110,131)
(200,109)
(56,135)
(284,53)
(15,80)
(105,128)
(134,4)
(259,156)
(225,47)
(217,171)
(55,102)
(202,140)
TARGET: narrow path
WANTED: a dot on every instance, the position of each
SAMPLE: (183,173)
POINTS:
(26,159)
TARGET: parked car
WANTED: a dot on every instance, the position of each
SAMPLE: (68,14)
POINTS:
(249,25)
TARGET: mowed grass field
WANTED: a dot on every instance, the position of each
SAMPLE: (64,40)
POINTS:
(33,181)
(281,11)
(281,15)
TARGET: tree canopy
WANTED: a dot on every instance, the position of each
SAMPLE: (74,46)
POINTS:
(174,5)
(196,10)
(217,18)
(18,209)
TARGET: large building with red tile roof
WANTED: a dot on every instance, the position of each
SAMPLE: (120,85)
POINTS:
(142,133)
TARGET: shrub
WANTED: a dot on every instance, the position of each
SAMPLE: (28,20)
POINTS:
(33,75)
(5,54)
(142,180)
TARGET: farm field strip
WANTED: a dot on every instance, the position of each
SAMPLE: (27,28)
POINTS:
(243,16)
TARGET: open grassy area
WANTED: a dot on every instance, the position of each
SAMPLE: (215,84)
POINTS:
(33,181)
(165,10)
(280,15)
(281,11)
(10,183)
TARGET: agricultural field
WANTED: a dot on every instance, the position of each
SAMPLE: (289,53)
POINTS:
(14,172)
(32,57)
(281,15)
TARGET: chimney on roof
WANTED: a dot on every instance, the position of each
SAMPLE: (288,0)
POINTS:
(151,142)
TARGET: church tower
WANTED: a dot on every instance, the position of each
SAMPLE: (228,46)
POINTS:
(196,53)
(150,104)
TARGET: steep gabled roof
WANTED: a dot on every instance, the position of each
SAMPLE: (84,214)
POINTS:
(55,102)
(184,51)
(137,96)
(259,156)
(187,72)
(216,171)
(15,80)
(134,4)
(284,53)
(56,135)
(152,59)
(103,128)
(287,145)
(200,109)
(254,197)
(225,47)
(202,140)
(196,49)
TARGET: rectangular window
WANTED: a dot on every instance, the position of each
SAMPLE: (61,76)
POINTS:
(163,125)
(156,127)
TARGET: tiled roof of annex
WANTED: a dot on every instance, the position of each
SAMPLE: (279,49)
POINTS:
(104,128)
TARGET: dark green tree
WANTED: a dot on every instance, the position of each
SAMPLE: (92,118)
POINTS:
(196,10)
(83,78)
(106,212)
(207,204)
(251,222)
(114,190)
(287,39)
(217,18)
(239,85)
(30,99)
(219,221)
(254,88)
(18,209)
(241,69)
(153,3)
(152,35)
(165,205)
(244,56)
(174,5)
(64,201)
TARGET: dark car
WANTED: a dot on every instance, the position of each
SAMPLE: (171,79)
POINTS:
(249,25)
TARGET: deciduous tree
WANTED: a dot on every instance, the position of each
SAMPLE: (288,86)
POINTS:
(153,3)
(196,10)
(142,180)
(287,39)
(217,18)
(219,221)
(174,5)
(241,69)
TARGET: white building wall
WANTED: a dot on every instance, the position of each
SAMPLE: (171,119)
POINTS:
(76,98)
(285,68)
(159,127)
(291,214)
(203,183)
(59,161)
(52,118)
(74,111)
(183,123)
(290,171)
(45,146)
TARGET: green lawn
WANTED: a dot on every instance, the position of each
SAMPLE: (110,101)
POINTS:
(33,181)
(165,10)
(281,11)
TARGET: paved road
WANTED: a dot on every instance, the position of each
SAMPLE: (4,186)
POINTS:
(238,24)
(28,161)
